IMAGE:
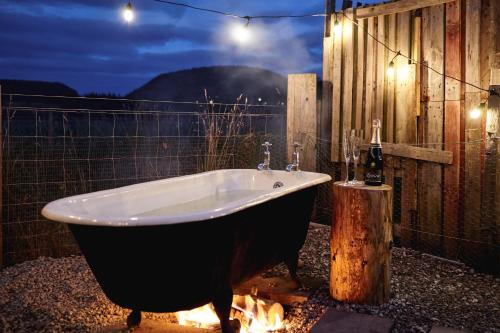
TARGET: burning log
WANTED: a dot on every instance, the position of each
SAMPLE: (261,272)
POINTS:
(267,313)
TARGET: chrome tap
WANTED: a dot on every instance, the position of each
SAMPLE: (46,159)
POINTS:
(294,166)
(267,157)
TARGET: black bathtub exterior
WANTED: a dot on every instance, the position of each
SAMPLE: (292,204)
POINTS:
(168,268)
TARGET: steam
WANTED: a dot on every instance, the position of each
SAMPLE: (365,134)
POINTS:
(271,45)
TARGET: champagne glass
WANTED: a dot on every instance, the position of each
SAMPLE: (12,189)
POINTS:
(346,145)
(355,141)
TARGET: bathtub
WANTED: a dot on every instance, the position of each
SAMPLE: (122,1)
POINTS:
(179,243)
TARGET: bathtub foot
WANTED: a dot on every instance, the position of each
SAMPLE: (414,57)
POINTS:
(222,305)
(292,263)
(134,319)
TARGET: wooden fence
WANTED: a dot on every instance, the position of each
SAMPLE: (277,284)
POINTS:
(435,151)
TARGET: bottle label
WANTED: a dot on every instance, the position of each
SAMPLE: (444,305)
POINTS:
(374,176)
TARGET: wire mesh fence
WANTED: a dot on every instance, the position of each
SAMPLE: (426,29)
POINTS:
(50,153)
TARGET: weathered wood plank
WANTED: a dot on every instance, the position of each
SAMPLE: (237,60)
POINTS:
(473,127)
(389,127)
(1,180)
(381,71)
(418,153)
(452,128)
(347,70)
(397,7)
(409,223)
(301,117)
(370,81)
(405,95)
(430,174)
(360,73)
(337,95)
(327,91)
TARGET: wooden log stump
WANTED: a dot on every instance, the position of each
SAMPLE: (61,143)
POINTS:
(360,243)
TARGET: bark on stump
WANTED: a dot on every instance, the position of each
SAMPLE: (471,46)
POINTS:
(360,243)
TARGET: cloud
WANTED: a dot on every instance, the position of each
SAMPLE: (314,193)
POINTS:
(95,54)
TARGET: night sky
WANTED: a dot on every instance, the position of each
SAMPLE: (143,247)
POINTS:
(87,45)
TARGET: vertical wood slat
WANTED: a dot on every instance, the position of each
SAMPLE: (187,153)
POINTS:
(301,118)
(381,71)
(472,181)
(347,71)
(452,128)
(1,180)
(405,129)
(327,88)
(360,74)
(391,82)
(370,80)
(430,174)
(336,95)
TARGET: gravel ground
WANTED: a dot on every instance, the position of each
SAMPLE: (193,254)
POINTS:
(61,295)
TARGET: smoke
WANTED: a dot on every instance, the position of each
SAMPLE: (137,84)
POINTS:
(271,45)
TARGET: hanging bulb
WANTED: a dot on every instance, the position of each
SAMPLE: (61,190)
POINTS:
(337,29)
(128,13)
(476,112)
(390,69)
(241,33)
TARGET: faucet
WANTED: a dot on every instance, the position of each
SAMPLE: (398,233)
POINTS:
(294,166)
(267,157)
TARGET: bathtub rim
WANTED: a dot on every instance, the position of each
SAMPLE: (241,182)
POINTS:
(56,211)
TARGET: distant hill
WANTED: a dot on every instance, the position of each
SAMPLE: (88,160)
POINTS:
(36,88)
(223,83)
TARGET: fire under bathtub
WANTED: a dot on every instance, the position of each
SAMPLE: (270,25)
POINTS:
(179,243)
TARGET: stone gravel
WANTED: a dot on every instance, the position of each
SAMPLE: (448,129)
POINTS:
(61,295)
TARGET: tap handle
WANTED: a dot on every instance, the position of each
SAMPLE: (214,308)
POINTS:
(296,146)
(267,145)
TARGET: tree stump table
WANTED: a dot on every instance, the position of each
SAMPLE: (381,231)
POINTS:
(360,243)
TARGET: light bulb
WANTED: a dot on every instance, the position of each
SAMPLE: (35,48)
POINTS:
(241,34)
(390,69)
(128,13)
(337,28)
(475,113)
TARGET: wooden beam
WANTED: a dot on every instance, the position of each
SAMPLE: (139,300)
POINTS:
(370,80)
(453,118)
(336,95)
(396,7)
(417,153)
(360,73)
(348,70)
(1,179)
(301,118)
(389,116)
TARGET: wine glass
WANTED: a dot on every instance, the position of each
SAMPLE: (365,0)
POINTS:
(347,153)
(355,141)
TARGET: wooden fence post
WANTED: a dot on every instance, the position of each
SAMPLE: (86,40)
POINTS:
(301,118)
(1,180)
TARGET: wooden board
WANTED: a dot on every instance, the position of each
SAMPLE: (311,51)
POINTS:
(417,153)
(360,73)
(397,7)
(473,127)
(348,71)
(389,116)
(381,71)
(452,128)
(1,180)
(301,118)
(337,95)
(370,80)
(430,174)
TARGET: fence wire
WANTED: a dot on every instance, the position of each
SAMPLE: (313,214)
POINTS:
(50,153)
(53,152)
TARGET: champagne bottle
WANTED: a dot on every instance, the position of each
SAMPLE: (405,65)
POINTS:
(374,164)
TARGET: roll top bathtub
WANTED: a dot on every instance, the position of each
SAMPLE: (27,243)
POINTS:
(179,243)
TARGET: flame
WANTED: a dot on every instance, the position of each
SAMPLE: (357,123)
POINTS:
(255,315)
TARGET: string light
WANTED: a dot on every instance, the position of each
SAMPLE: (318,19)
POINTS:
(336,29)
(476,112)
(390,68)
(128,12)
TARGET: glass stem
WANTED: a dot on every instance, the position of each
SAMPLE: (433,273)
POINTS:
(346,171)
(355,168)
